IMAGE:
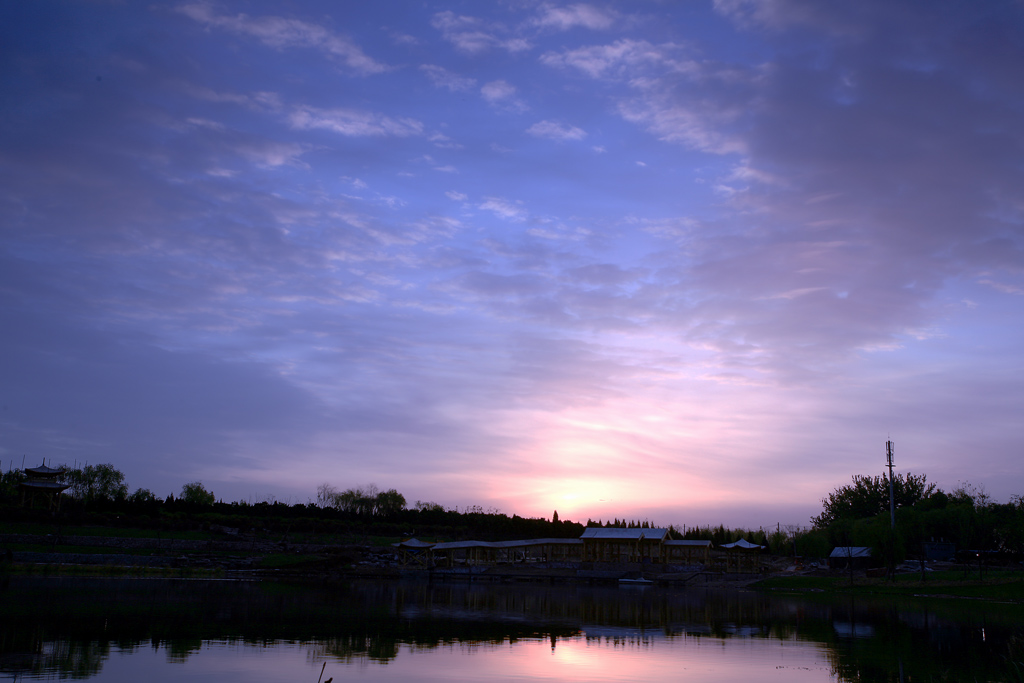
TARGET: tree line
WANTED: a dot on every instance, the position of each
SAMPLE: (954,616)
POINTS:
(99,494)
(365,500)
(855,514)
(104,484)
(858,514)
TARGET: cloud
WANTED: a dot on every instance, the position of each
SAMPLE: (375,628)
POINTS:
(778,15)
(474,36)
(1002,287)
(512,211)
(605,274)
(570,16)
(838,229)
(695,124)
(98,395)
(271,154)
(353,122)
(279,32)
(678,100)
(443,141)
(556,131)
(257,101)
(404,39)
(184,255)
(495,91)
(620,59)
(502,93)
(442,78)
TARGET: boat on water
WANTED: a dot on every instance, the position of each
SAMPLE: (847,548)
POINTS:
(636,582)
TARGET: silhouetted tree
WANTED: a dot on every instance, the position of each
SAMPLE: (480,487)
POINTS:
(95,483)
(194,493)
(869,496)
(143,496)
(9,482)
(389,503)
(326,496)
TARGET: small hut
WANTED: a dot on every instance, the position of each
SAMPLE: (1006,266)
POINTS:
(842,557)
(413,551)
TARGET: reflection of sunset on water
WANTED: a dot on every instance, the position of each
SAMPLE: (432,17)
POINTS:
(579,659)
(406,632)
(568,659)
(614,660)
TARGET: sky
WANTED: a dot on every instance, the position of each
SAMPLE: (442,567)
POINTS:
(692,262)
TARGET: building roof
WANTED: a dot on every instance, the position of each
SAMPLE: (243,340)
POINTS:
(414,544)
(460,545)
(850,551)
(742,544)
(45,485)
(535,542)
(693,544)
(620,534)
(43,471)
(554,541)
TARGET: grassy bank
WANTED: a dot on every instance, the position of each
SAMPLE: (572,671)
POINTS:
(108,571)
(995,585)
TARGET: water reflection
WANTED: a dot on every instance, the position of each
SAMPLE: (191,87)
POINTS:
(105,629)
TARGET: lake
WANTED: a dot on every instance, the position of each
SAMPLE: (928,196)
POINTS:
(205,630)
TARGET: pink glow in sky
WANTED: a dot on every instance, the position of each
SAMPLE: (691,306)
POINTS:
(693,262)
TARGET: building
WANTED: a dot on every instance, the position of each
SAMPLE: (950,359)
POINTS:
(843,557)
(472,553)
(43,485)
(687,552)
(741,557)
(614,544)
(608,545)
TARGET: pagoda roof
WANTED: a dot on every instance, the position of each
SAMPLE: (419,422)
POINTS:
(45,485)
(44,471)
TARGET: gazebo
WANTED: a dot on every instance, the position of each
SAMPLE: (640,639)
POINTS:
(742,556)
(414,551)
(42,483)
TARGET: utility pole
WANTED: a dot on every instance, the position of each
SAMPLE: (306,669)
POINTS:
(892,502)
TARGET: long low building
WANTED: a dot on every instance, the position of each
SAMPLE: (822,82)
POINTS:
(453,553)
(490,552)
(597,544)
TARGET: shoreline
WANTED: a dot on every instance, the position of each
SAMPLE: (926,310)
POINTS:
(248,559)
(1004,587)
